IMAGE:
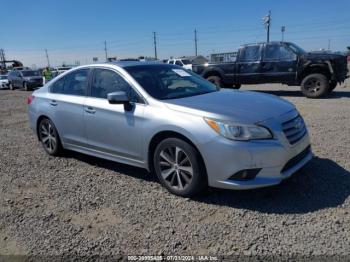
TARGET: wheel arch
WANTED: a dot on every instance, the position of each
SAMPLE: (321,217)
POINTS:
(38,122)
(160,136)
(213,72)
(319,68)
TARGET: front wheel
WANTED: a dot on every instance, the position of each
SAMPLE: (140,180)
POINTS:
(49,138)
(11,86)
(178,167)
(315,85)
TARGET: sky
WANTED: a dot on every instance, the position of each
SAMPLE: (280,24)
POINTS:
(75,30)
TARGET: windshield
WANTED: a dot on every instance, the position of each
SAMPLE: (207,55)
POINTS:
(169,82)
(296,48)
(186,61)
(3,77)
(30,73)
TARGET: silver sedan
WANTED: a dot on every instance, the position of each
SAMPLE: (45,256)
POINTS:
(170,121)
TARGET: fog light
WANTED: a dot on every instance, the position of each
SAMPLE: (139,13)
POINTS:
(246,174)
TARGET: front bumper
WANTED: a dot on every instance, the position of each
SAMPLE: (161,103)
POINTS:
(4,85)
(276,158)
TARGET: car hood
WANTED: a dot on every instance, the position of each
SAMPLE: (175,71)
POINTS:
(245,107)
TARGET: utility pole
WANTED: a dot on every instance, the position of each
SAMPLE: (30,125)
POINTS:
(155,45)
(195,41)
(267,23)
(329,44)
(106,50)
(2,58)
(47,58)
(283,29)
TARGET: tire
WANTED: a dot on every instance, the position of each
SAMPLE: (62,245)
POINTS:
(49,137)
(332,86)
(315,86)
(11,86)
(236,86)
(25,86)
(216,80)
(184,176)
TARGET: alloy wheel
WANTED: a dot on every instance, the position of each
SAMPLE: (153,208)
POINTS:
(48,136)
(176,167)
(313,85)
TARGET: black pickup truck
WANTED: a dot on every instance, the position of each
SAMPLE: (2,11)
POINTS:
(279,62)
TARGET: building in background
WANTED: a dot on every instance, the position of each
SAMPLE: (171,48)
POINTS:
(223,57)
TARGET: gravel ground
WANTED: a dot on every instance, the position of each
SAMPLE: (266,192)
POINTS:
(82,205)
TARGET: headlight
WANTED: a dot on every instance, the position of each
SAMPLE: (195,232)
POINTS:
(239,132)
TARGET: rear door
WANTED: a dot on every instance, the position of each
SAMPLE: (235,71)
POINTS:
(248,64)
(112,129)
(66,102)
(279,64)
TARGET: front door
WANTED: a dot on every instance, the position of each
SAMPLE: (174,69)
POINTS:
(113,129)
(279,64)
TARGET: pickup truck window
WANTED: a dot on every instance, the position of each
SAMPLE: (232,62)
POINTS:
(275,52)
(179,63)
(250,53)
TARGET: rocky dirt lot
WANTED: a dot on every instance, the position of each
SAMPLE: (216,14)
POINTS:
(82,205)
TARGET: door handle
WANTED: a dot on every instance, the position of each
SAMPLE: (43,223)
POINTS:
(90,110)
(53,103)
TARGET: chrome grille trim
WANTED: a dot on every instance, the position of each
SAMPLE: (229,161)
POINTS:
(294,129)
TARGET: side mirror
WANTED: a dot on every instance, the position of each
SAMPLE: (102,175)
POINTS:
(119,97)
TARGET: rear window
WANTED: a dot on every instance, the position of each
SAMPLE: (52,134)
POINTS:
(250,53)
(30,73)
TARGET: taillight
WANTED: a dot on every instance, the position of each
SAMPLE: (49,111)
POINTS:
(30,99)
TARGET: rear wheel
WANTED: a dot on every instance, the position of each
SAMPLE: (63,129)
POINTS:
(178,167)
(217,80)
(49,138)
(315,85)
(236,86)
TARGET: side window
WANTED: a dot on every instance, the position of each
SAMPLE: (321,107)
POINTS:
(278,52)
(76,82)
(107,81)
(250,53)
(57,87)
(179,63)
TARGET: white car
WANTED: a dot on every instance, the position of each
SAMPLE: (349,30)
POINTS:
(4,82)
(185,63)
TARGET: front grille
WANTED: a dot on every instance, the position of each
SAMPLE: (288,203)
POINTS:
(294,129)
(295,160)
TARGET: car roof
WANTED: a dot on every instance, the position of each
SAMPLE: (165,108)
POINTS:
(135,63)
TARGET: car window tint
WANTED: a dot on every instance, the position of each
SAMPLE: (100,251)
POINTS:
(76,82)
(107,81)
(250,53)
(57,87)
(278,52)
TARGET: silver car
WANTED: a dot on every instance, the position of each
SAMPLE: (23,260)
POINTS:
(171,121)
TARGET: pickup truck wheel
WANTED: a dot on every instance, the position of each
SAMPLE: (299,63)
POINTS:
(315,85)
(216,80)
(236,86)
